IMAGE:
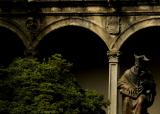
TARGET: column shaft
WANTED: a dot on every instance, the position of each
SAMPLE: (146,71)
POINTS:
(112,86)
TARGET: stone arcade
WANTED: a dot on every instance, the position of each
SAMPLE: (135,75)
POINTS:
(120,25)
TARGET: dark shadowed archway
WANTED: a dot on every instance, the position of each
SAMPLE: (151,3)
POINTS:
(84,49)
(11,46)
(144,41)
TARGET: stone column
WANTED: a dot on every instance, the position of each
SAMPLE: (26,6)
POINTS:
(112,85)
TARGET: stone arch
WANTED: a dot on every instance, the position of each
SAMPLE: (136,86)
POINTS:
(13,27)
(75,22)
(134,28)
(80,51)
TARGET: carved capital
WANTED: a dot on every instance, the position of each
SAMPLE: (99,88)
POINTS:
(113,56)
(30,52)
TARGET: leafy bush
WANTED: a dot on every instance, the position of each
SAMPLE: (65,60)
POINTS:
(28,86)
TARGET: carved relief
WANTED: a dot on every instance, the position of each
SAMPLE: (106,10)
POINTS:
(112,25)
(32,25)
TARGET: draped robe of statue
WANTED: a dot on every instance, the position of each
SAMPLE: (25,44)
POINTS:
(137,89)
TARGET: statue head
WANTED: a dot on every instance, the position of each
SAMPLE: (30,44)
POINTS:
(141,60)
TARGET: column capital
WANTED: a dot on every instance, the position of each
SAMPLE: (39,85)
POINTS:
(30,52)
(113,56)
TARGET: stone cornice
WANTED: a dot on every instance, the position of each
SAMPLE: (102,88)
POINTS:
(28,9)
(74,3)
(81,14)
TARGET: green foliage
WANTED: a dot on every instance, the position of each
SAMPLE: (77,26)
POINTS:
(28,86)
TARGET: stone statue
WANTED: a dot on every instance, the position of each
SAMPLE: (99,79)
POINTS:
(137,87)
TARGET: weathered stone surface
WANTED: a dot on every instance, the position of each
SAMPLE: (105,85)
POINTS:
(113,24)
